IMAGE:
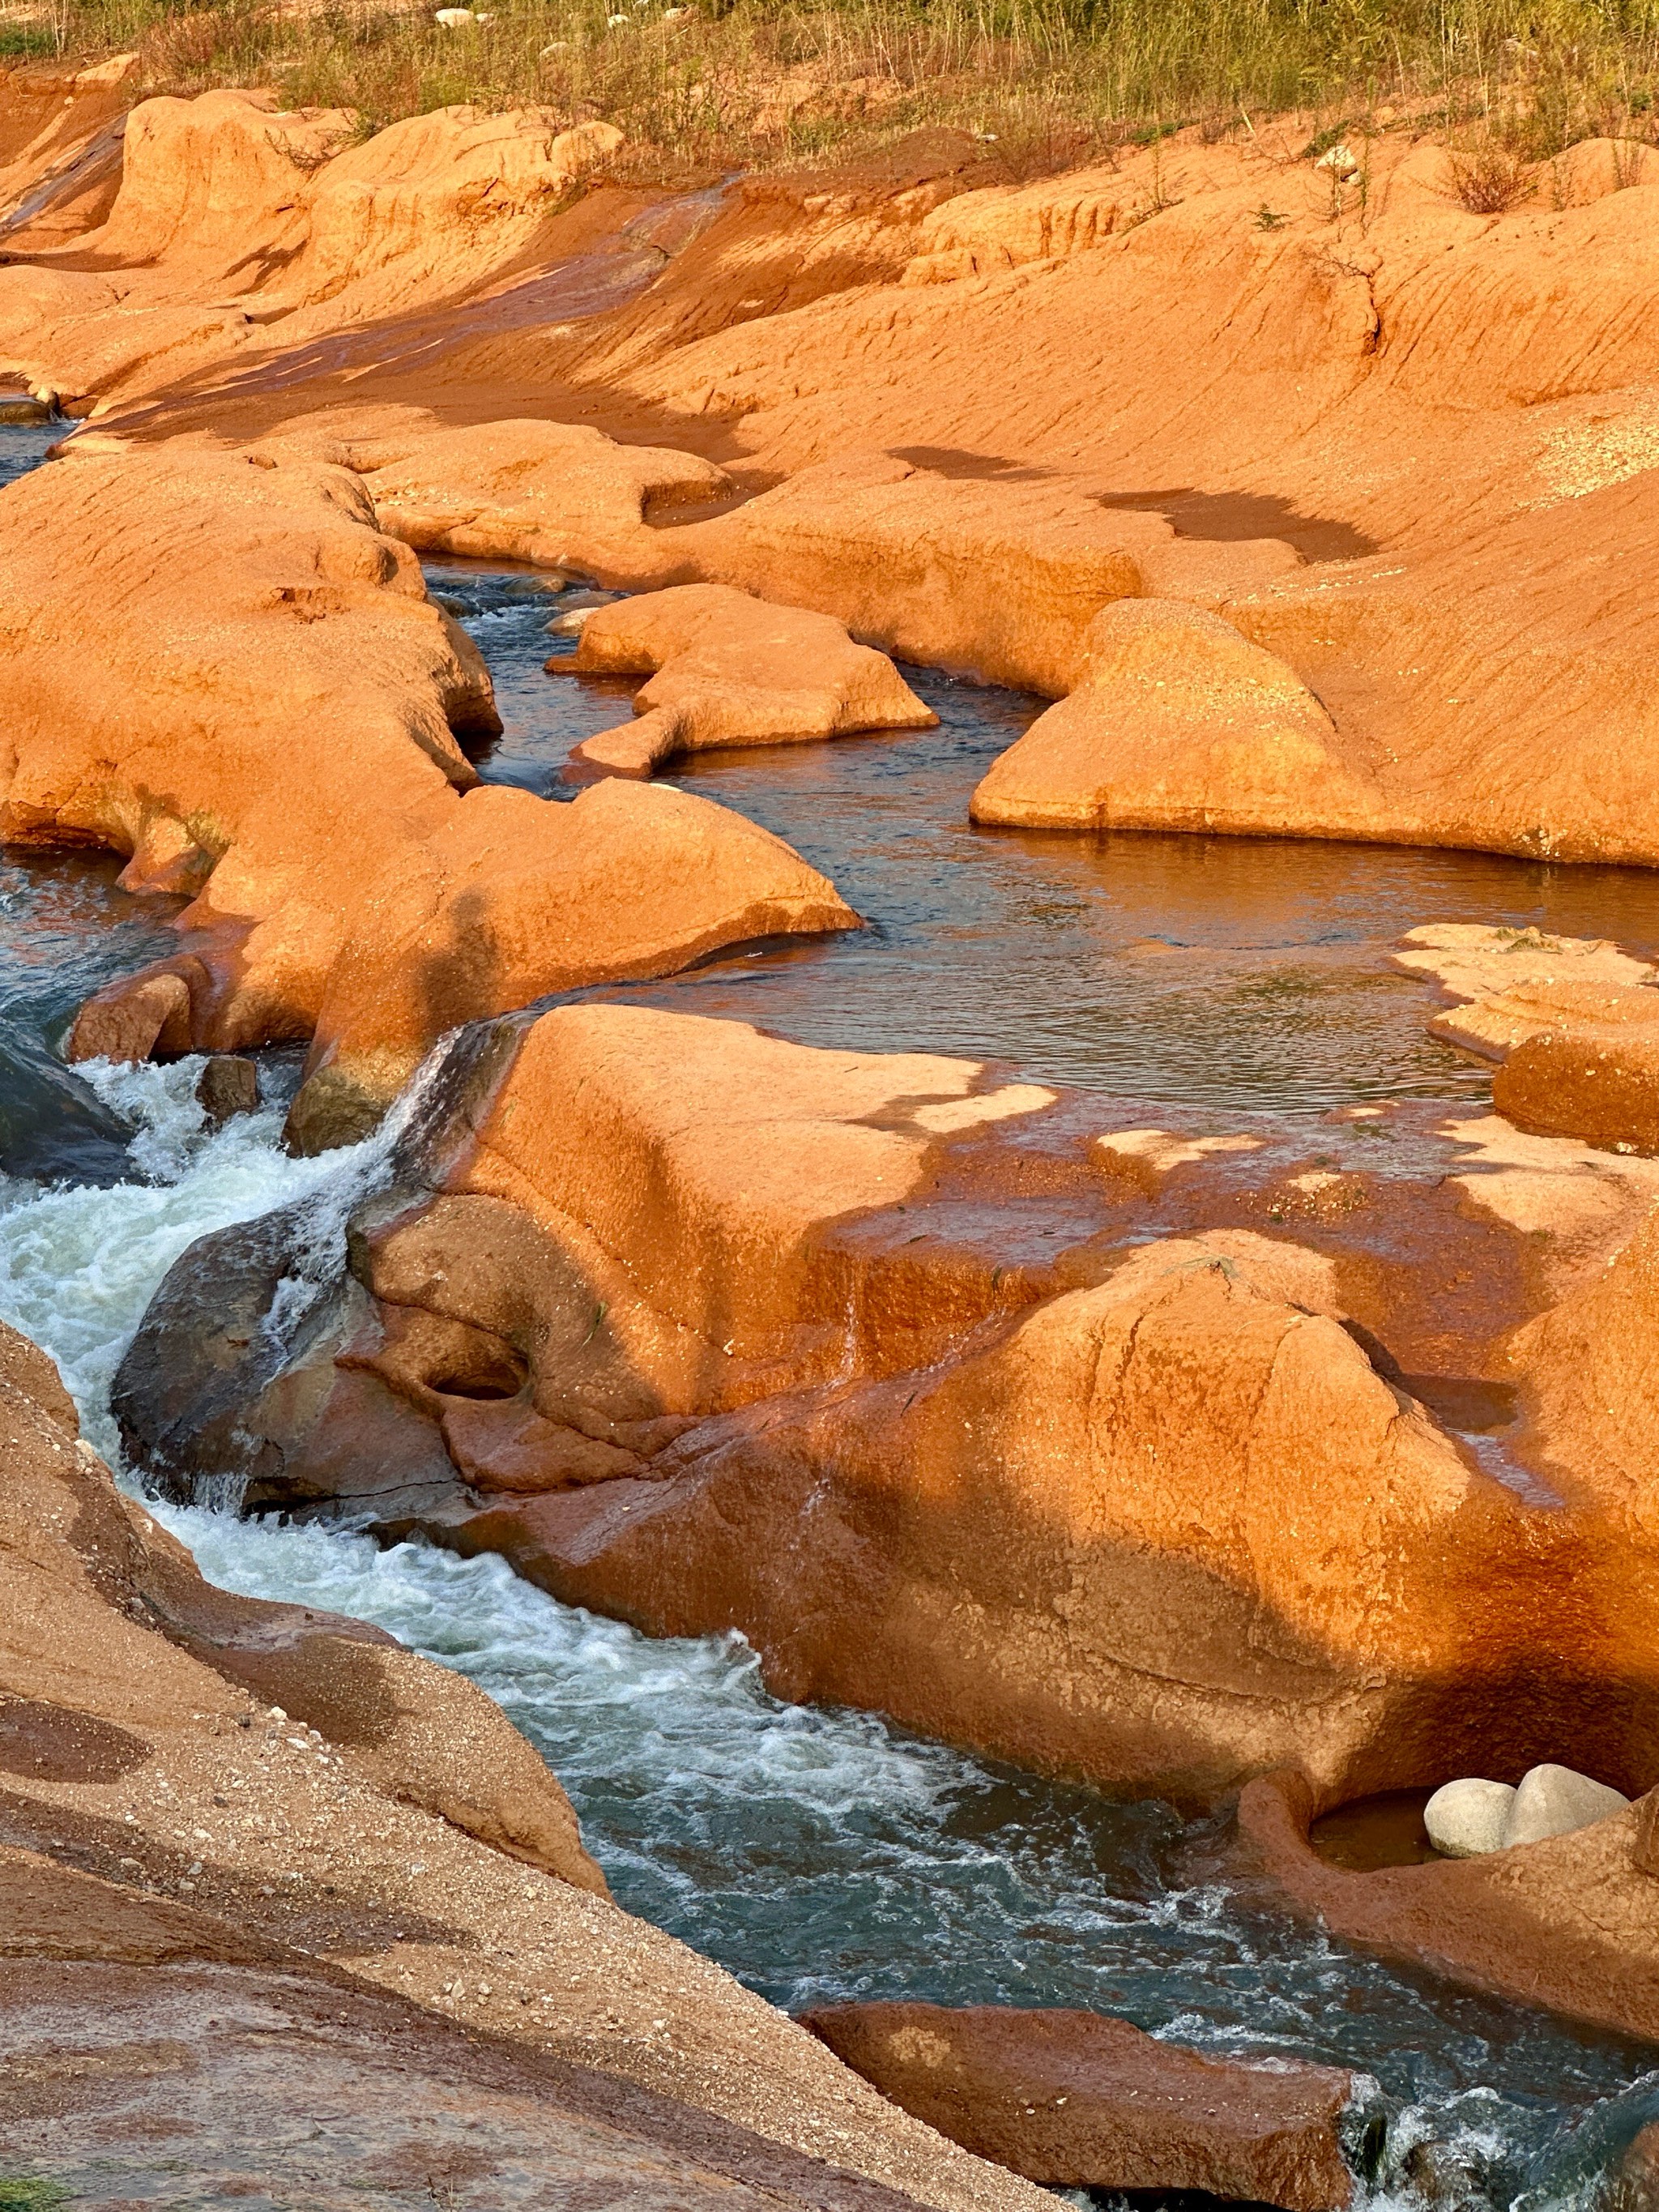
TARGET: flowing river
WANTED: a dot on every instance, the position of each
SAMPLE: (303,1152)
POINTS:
(821,1853)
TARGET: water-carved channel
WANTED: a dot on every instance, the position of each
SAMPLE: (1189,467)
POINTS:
(822,1853)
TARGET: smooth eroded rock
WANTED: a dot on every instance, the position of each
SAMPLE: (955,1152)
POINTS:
(1556,1801)
(1469,1817)
(730,669)
(266,719)
(1078,2099)
(1176,722)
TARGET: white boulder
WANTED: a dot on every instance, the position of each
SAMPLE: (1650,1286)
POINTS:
(1553,1801)
(1467,1818)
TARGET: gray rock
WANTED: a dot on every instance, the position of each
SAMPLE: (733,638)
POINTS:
(1554,1800)
(226,1086)
(1466,1818)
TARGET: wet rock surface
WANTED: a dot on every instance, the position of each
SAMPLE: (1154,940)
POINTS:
(149,2051)
(350,1861)
(1076,2099)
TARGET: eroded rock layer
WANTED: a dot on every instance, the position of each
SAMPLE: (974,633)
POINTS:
(1154,1453)
(269,1862)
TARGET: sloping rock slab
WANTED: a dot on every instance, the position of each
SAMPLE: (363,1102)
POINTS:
(150,2047)
(1078,2098)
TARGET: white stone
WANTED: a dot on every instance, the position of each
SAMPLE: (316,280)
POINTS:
(1553,1801)
(1466,1818)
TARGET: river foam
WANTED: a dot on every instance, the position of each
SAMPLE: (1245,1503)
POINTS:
(819,1853)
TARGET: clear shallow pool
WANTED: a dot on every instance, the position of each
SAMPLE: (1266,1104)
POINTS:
(1237,972)
(820,1853)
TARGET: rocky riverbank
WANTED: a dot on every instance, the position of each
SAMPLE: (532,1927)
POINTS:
(1188,1452)
(255,1853)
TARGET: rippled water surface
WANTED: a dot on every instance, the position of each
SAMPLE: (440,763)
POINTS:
(1240,972)
(821,1853)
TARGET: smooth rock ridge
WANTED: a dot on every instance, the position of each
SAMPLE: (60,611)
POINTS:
(1177,722)
(730,669)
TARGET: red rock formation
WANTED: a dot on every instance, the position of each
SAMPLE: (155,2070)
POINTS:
(1573,1022)
(1589,1067)
(1141,1453)
(60,149)
(1080,2100)
(1567,1923)
(727,670)
(233,217)
(1175,722)
(555,493)
(263,719)
(194,1779)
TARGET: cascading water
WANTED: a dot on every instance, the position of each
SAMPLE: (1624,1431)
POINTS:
(821,1853)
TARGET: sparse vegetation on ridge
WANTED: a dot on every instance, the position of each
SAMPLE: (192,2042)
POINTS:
(727,84)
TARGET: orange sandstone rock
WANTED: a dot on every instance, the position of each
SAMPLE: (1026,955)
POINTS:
(514,897)
(1504,981)
(555,493)
(728,670)
(1587,1068)
(234,220)
(1166,1478)
(1176,722)
(1567,1923)
(1080,2099)
(265,721)
(1573,1022)
(1001,578)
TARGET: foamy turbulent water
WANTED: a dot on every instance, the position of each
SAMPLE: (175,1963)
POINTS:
(817,1852)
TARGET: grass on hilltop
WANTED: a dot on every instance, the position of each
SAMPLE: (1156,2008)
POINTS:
(723,84)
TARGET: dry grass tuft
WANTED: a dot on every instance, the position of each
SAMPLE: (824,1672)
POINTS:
(1491,178)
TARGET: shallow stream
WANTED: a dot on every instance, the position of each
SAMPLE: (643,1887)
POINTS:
(822,1853)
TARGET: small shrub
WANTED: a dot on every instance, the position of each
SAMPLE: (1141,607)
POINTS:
(1491,180)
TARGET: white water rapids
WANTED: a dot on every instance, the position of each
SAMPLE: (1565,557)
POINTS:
(819,1853)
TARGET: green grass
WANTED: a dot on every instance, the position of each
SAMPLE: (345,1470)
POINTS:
(747,83)
(24,2192)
